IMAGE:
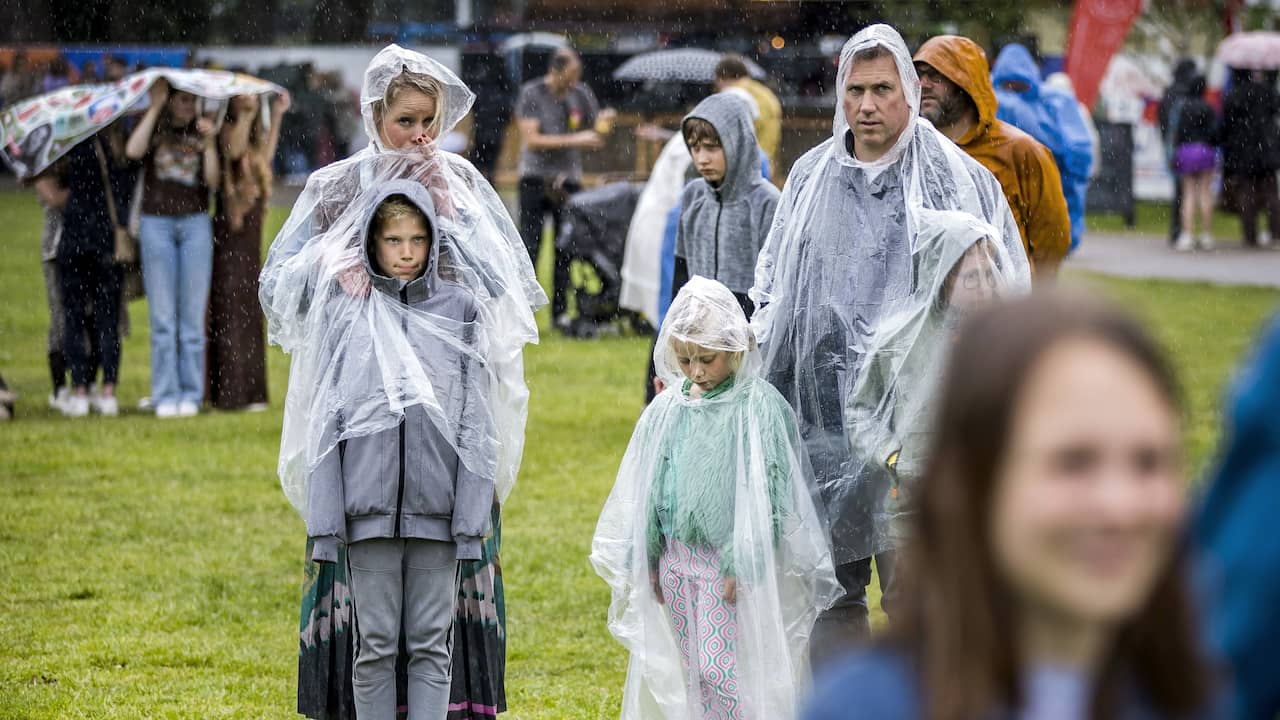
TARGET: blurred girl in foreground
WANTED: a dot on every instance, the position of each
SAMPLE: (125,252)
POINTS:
(1044,578)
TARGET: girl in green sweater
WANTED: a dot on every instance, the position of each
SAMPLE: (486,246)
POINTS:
(711,540)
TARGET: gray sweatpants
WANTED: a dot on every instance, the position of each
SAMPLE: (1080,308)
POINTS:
(414,583)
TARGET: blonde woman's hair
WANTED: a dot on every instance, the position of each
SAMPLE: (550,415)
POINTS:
(409,80)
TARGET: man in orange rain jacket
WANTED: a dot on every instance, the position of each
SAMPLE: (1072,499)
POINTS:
(957,97)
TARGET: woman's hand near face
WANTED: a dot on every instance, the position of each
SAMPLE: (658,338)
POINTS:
(159,93)
(205,127)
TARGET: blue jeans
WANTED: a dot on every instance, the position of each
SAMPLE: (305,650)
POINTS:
(177,262)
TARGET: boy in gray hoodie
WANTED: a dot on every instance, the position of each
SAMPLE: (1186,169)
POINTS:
(726,214)
(403,499)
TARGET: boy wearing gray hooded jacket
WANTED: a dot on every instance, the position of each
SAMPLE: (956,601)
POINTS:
(727,213)
(402,499)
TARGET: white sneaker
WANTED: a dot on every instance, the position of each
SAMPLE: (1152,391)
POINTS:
(1184,243)
(106,405)
(257,407)
(1206,241)
(145,403)
(58,400)
(186,408)
(76,406)
(166,410)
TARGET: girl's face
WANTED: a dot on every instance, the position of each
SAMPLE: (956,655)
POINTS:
(182,108)
(975,282)
(401,247)
(1089,497)
(407,121)
(705,367)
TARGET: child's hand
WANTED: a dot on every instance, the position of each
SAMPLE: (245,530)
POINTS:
(354,281)
(657,586)
(731,590)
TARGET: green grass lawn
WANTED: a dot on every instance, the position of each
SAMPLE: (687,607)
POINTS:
(1152,218)
(153,569)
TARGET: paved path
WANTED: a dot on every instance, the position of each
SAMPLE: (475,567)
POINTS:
(1148,256)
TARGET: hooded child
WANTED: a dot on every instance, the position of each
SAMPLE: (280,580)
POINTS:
(711,540)
(727,213)
(411,499)
(889,412)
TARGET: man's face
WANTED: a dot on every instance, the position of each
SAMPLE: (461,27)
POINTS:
(875,106)
(941,101)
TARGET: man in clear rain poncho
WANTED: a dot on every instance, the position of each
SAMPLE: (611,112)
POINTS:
(839,258)
(712,541)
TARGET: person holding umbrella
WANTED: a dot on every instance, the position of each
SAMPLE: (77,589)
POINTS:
(176,146)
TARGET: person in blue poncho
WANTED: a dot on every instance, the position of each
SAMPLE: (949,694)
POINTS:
(1235,534)
(1051,116)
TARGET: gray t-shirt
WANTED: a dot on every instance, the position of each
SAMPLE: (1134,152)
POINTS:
(575,112)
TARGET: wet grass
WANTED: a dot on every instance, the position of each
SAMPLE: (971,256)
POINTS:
(153,569)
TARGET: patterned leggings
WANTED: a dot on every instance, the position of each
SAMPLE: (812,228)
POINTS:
(706,626)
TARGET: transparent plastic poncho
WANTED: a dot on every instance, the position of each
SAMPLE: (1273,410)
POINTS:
(837,259)
(314,252)
(723,475)
(889,412)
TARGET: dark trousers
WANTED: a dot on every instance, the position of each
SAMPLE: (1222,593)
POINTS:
(1175,209)
(91,281)
(846,624)
(1256,193)
(536,202)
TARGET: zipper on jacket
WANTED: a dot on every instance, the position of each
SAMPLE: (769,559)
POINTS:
(715,265)
(404,298)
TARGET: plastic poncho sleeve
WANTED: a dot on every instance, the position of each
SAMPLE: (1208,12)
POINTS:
(473,491)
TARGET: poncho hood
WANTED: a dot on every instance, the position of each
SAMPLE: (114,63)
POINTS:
(963,62)
(1015,64)
(879,35)
(421,199)
(455,102)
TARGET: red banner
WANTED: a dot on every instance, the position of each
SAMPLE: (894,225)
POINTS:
(1098,30)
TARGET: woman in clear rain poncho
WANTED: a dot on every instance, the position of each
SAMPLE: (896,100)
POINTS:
(408,101)
(711,540)
(840,258)
(961,265)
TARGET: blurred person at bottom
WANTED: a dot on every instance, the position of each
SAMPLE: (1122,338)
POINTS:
(711,540)
(1044,578)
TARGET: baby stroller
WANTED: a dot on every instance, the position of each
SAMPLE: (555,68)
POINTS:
(593,231)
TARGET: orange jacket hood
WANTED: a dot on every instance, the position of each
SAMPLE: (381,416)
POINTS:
(964,63)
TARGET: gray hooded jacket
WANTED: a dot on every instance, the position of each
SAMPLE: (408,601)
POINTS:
(722,229)
(408,481)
